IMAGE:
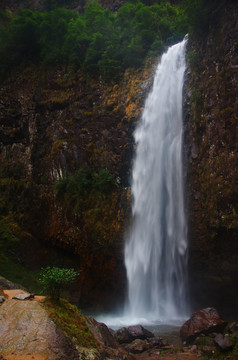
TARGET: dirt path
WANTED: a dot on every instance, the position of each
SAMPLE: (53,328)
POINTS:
(23,357)
(11,293)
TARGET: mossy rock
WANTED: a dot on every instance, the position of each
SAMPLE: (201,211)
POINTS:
(68,318)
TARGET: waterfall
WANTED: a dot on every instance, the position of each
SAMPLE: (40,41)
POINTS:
(156,251)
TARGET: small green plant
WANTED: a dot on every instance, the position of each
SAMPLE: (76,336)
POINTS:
(53,279)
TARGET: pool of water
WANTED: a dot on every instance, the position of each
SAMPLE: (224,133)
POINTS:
(167,331)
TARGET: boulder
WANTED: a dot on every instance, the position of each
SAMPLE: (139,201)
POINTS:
(101,333)
(138,332)
(223,342)
(202,322)
(123,336)
(127,335)
(23,296)
(109,347)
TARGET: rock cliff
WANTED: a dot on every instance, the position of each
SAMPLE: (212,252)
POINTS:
(56,122)
(210,136)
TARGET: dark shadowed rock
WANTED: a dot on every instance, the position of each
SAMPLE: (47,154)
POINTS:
(2,299)
(223,342)
(6,284)
(202,322)
(109,346)
(138,332)
(158,342)
(123,336)
(232,328)
(101,333)
(127,335)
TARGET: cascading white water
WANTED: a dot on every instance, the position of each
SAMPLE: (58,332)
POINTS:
(156,253)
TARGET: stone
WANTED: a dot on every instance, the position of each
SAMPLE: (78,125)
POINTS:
(23,296)
(223,342)
(101,333)
(109,346)
(202,322)
(123,336)
(137,346)
(157,342)
(139,332)
(193,348)
(127,335)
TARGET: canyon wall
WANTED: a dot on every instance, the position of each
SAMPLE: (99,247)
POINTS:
(211,108)
(53,124)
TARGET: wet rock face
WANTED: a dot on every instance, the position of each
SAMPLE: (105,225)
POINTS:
(210,126)
(54,123)
(202,322)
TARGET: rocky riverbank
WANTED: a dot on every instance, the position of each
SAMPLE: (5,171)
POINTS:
(33,327)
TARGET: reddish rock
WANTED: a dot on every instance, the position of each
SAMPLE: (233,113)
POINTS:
(202,322)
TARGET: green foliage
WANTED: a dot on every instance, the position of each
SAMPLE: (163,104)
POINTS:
(103,181)
(82,182)
(11,269)
(200,14)
(54,279)
(98,41)
(219,354)
(94,201)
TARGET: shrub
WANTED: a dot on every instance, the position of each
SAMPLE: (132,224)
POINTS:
(54,279)
(201,14)
(97,41)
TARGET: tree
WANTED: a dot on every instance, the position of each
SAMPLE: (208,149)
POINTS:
(54,279)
